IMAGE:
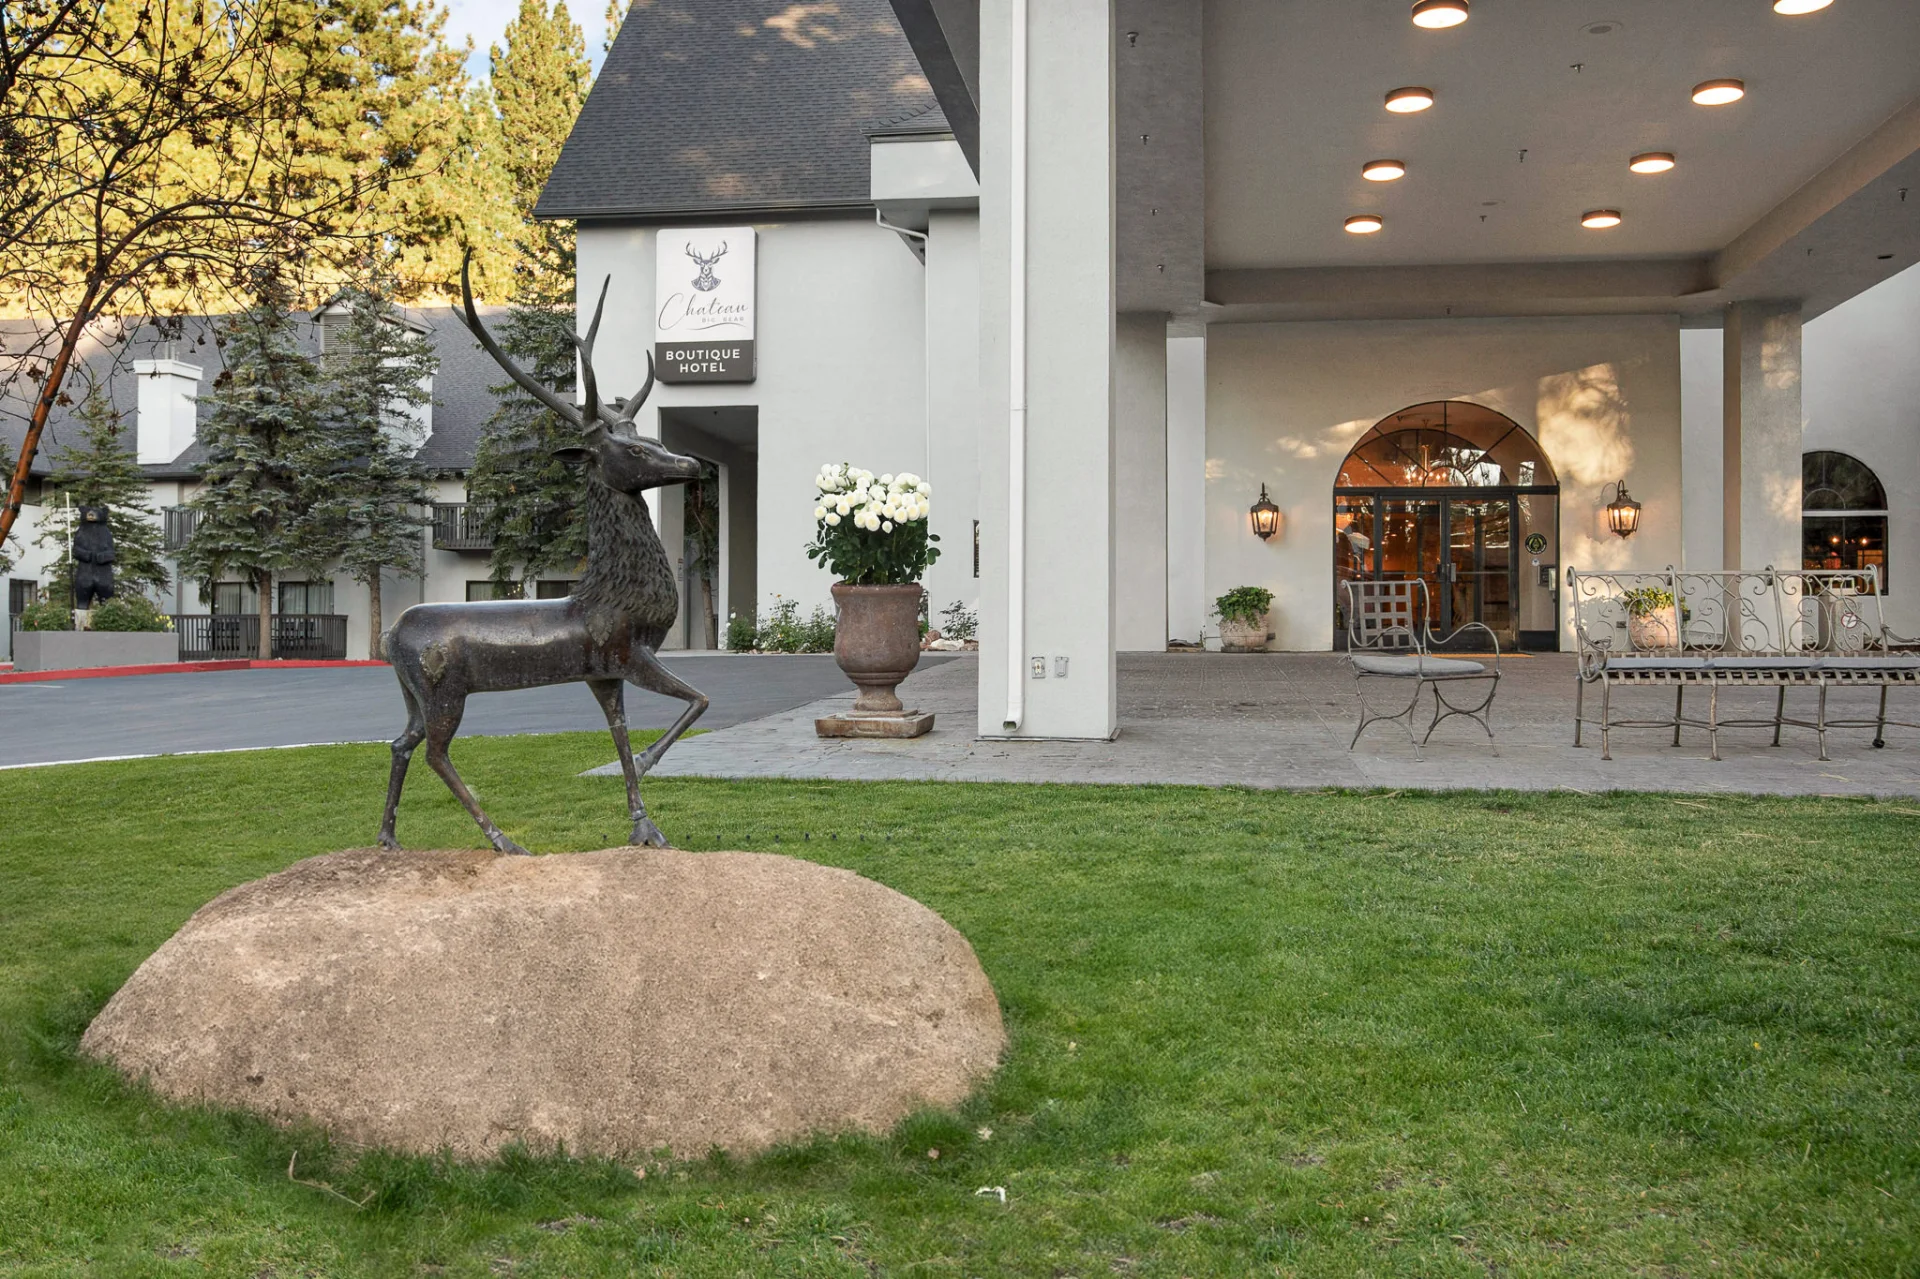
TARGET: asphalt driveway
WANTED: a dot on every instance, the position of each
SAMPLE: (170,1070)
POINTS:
(61,721)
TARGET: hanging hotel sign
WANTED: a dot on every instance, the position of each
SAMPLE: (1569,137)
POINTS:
(703,288)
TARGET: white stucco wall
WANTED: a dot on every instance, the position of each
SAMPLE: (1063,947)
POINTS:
(1285,402)
(953,403)
(1140,483)
(1860,367)
(1186,487)
(842,375)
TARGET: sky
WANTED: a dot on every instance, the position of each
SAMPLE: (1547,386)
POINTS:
(485,20)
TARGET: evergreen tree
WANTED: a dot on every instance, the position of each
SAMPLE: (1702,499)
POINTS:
(266,407)
(368,492)
(534,504)
(540,81)
(102,472)
(616,15)
(6,468)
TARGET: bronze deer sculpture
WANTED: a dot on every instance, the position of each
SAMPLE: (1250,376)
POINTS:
(602,635)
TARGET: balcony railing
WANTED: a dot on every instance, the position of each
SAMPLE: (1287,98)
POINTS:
(312,637)
(461,526)
(178,524)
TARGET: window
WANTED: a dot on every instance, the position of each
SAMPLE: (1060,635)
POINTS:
(1843,520)
(306,597)
(488,589)
(1446,444)
(557,590)
(235,599)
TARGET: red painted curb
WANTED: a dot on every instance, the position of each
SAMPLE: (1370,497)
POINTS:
(166,668)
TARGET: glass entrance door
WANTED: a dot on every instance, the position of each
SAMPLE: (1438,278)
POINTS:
(1479,567)
(1462,547)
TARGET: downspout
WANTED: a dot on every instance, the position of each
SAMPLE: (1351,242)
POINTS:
(1017,378)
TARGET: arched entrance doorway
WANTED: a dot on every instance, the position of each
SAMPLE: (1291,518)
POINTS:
(1461,496)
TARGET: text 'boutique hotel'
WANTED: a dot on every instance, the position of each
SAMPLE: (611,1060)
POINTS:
(1167,297)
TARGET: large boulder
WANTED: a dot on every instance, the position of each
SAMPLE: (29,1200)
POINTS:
(614,1002)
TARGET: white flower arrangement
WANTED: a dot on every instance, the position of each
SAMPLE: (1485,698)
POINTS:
(849,502)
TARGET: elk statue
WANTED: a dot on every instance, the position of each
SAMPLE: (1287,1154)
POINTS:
(602,635)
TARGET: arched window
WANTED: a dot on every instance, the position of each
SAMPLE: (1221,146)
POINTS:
(1843,521)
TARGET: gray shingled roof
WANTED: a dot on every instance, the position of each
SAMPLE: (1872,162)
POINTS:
(462,402)
(720,105)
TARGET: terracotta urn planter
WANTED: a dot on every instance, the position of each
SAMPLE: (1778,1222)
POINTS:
(877,643)
(1653,630)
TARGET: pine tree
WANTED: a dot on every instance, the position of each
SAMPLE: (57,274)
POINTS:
(540,81)
(368,492)
(616,16)
(265,409)
(102,472)
(6,468)
(534,504)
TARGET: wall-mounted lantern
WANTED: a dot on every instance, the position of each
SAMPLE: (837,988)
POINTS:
(1623,513)
(1265,516)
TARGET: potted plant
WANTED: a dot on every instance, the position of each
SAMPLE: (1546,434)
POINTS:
(871,533)
(1651,622)
(1243,619)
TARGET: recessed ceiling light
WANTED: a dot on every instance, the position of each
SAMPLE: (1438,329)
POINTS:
(1603,28)
(1600,219)
(1791,6)
(1364,224)
(1717,93)
(1651,162)
(1410,99)
(1435,14)
(1384,170)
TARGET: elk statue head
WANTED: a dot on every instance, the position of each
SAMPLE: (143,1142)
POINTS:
(707,281)
(610,444)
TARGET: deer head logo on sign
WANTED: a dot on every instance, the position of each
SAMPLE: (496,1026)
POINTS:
(707,281)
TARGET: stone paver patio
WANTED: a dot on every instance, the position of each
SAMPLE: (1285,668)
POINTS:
(1284,719)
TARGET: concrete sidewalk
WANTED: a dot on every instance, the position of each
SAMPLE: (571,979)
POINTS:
(1284,719)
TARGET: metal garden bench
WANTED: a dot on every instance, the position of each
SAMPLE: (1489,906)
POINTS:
(1389,640)
(1810,629)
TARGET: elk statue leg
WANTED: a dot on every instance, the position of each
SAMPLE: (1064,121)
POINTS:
(443,720)
(611,694)
(646,671)
(402,754)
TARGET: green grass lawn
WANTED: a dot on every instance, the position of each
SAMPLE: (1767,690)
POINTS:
(1251,1033)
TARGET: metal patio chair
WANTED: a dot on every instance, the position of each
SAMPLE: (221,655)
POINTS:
(1389,638)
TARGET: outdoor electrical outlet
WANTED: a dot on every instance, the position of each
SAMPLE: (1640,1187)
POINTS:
(1039,668)
(1059,668)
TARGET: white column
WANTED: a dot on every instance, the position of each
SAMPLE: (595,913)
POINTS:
(1140,484)
(1761,436)
(1186,487)
(1048,592)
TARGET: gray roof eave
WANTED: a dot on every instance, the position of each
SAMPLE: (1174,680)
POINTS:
(684,212)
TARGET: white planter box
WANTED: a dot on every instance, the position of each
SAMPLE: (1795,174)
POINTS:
(77,650)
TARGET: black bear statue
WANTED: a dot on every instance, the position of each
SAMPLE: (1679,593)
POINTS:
(92,557)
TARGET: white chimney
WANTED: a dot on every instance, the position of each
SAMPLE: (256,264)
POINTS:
(167,419)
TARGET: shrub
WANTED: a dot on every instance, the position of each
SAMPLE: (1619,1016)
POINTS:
(46,615)
(959,622)
(817,632)
(740,633)
(783,630)
(128,613)
(1247,604)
